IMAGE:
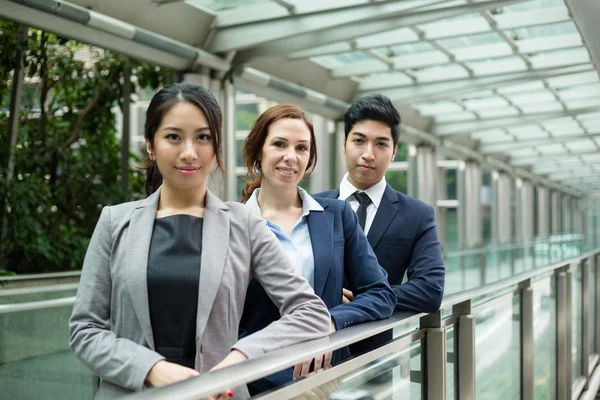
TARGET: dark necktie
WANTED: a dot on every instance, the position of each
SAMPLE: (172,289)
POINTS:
(363,200)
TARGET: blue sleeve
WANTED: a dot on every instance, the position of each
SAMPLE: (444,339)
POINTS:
(374,299)
(424,289)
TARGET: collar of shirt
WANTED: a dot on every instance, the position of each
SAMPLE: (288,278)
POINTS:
(308,202)
(375,192)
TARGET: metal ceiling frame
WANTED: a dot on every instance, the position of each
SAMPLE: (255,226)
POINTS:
(296,27)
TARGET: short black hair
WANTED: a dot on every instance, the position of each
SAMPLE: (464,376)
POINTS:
(375,107)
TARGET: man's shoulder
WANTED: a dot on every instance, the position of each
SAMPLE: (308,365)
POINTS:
(407,203)
(331,204)
(331,194)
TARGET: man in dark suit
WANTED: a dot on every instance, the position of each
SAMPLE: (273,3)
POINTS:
(400,229)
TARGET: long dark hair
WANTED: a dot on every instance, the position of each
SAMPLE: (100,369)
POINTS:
(256,139)
(162,102)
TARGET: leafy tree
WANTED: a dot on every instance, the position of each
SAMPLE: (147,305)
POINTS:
(67,155)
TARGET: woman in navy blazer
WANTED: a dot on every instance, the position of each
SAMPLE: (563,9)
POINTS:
(321,236)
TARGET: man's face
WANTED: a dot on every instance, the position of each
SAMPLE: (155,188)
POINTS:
(369,149)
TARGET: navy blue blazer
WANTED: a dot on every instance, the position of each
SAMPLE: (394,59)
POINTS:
(340,249)
(405,240)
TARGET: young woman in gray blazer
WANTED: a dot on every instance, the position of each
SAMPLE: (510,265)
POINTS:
(170,272)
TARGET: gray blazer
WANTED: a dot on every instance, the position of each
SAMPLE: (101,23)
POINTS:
(236,244)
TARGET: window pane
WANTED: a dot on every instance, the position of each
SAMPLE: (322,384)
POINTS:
(451,229)
(401,153)
(397,180)
(239,148)
(497,351)
(451,184)
(544,323)
(245,116)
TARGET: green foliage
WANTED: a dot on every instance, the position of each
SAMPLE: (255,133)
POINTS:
(67,156)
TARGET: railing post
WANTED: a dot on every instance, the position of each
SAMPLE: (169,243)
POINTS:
(585,313)
(512,259)
(561,336)
(596,266)
(463,270)
(464,351)
(570,322)
(527,343)
(483,266)
(563,383)
(433,359)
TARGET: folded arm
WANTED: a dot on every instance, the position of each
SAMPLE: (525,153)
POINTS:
(424,289)
(304,316)
(367,280)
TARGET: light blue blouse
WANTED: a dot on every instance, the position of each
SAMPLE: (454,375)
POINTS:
(297,245)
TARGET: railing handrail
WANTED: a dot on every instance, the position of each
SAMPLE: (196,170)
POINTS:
(495,247)
(50,275)
(500,285)
(36,305)
(39,289)
(213,382)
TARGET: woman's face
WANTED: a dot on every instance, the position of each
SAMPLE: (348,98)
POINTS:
(285,153)
(183,147)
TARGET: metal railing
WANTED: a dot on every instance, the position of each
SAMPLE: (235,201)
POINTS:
(473,267)
(436,356)
(31,280)
(448,365)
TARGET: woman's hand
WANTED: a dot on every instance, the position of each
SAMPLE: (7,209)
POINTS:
(234,357)
(164,373)
(321,362)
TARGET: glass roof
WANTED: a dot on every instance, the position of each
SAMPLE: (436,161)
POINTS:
(222,5)
(514,77)
(533,5)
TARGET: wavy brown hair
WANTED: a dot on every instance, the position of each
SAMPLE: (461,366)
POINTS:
(256,140)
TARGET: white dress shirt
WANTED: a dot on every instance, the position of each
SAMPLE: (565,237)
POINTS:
(297,245)
(375,193)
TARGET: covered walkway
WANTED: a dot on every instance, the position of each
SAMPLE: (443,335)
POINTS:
(500,111)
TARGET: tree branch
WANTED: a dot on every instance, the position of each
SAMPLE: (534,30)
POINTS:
(81,116)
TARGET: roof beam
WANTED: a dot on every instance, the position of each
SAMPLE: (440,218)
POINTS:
(252,13)
(549,157)
(260,83)
(585,15)
(103,31)
(572,174)
(435,58)
(554,166)
(395,37)
(519,144)
(242,36)
(298,33)
(466,127)
(445,89)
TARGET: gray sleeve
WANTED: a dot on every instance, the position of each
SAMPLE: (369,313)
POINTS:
(117,360)
(304,316)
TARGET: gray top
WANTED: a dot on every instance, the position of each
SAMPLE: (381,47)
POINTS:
(114,288)
(173,276)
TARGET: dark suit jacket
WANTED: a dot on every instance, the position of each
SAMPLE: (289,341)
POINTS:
(340,249)
(405,240)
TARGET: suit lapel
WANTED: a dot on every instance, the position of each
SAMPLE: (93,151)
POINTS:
(320,227)
(385,215)
(138,245)
(215,242)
